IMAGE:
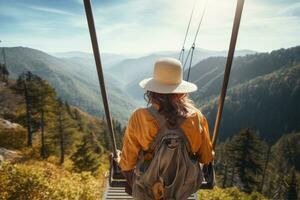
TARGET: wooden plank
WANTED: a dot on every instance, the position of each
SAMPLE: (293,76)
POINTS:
(117,193)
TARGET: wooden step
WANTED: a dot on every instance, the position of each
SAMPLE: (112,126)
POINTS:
(117,193)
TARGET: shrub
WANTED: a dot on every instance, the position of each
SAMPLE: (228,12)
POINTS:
(13,138)
(229,194)
(41,180)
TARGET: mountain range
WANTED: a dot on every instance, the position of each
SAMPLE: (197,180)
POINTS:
(73,75)
(263,94)
(75,82)
(131,71)
(263,90)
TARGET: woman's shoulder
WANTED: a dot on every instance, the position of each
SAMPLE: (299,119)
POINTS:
(195,112)
(142,118)
(141,113)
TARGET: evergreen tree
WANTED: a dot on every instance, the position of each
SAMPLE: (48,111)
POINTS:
(292,188)
(4,73)
(85,158)
(44,103)
(67,130)
(25,85)
(265,169)
(78,118)
(40,101)
(222,164)
(285,156)
(68,107)
(245,152)
(281,187)
(119,133)
(61,132)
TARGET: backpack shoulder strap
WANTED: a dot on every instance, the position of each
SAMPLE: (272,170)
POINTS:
(162,126)
(158,117)
(161,120)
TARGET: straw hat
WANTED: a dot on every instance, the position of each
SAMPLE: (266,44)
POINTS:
(167,78)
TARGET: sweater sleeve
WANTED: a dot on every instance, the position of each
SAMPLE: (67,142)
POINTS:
(131,146)
(205,151)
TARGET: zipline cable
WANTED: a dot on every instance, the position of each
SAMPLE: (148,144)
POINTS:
(191,50)
(93,35)
(181,55)
(234,35)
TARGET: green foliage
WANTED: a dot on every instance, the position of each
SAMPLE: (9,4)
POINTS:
(292,190)
(67,130)
(86,157)
(284,169)
(208,74)
(40,180)
(58,126)
(267,104)
(3,73)
(229,194)
(12,138)
(243,155)
(119,132)
(79,87)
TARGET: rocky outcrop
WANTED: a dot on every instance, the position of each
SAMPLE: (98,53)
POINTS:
(8,155)
(5,124)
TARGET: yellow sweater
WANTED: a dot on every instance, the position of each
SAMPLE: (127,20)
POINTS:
(142,128)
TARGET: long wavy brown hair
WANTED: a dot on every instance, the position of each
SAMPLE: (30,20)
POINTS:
(171,106)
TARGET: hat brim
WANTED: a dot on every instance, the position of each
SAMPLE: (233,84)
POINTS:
(150,84)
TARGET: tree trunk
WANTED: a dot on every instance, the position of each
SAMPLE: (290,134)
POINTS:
(43,148)
(265,170)
(225,175)
(232,177)
(28,115)
(62,138)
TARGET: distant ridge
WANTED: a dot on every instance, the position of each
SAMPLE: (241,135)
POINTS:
(74,81)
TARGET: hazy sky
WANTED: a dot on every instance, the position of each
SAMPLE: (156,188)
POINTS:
(143,26)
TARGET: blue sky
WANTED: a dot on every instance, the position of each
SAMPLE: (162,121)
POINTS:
(144,26)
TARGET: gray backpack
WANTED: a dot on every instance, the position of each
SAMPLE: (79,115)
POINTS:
(167,170)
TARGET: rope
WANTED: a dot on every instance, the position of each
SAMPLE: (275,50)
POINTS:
(93,34)
(191,60)
(191,51)
(234,34)
(200,22)
(181,55)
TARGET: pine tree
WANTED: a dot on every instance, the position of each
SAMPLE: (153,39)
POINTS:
(4,73)
(265,169)
(85,158)
(245,151)
(292,188)
(44,98)
(78,118)
(119,133)
(68,107)
(66,128)
(61,132)
(24,85)
(284,160)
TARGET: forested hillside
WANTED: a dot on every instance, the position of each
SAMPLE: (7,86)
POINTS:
(245,161)
(51,149)
(132,71)
(268,104)
(32,103)
(74,82)
(208,74)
